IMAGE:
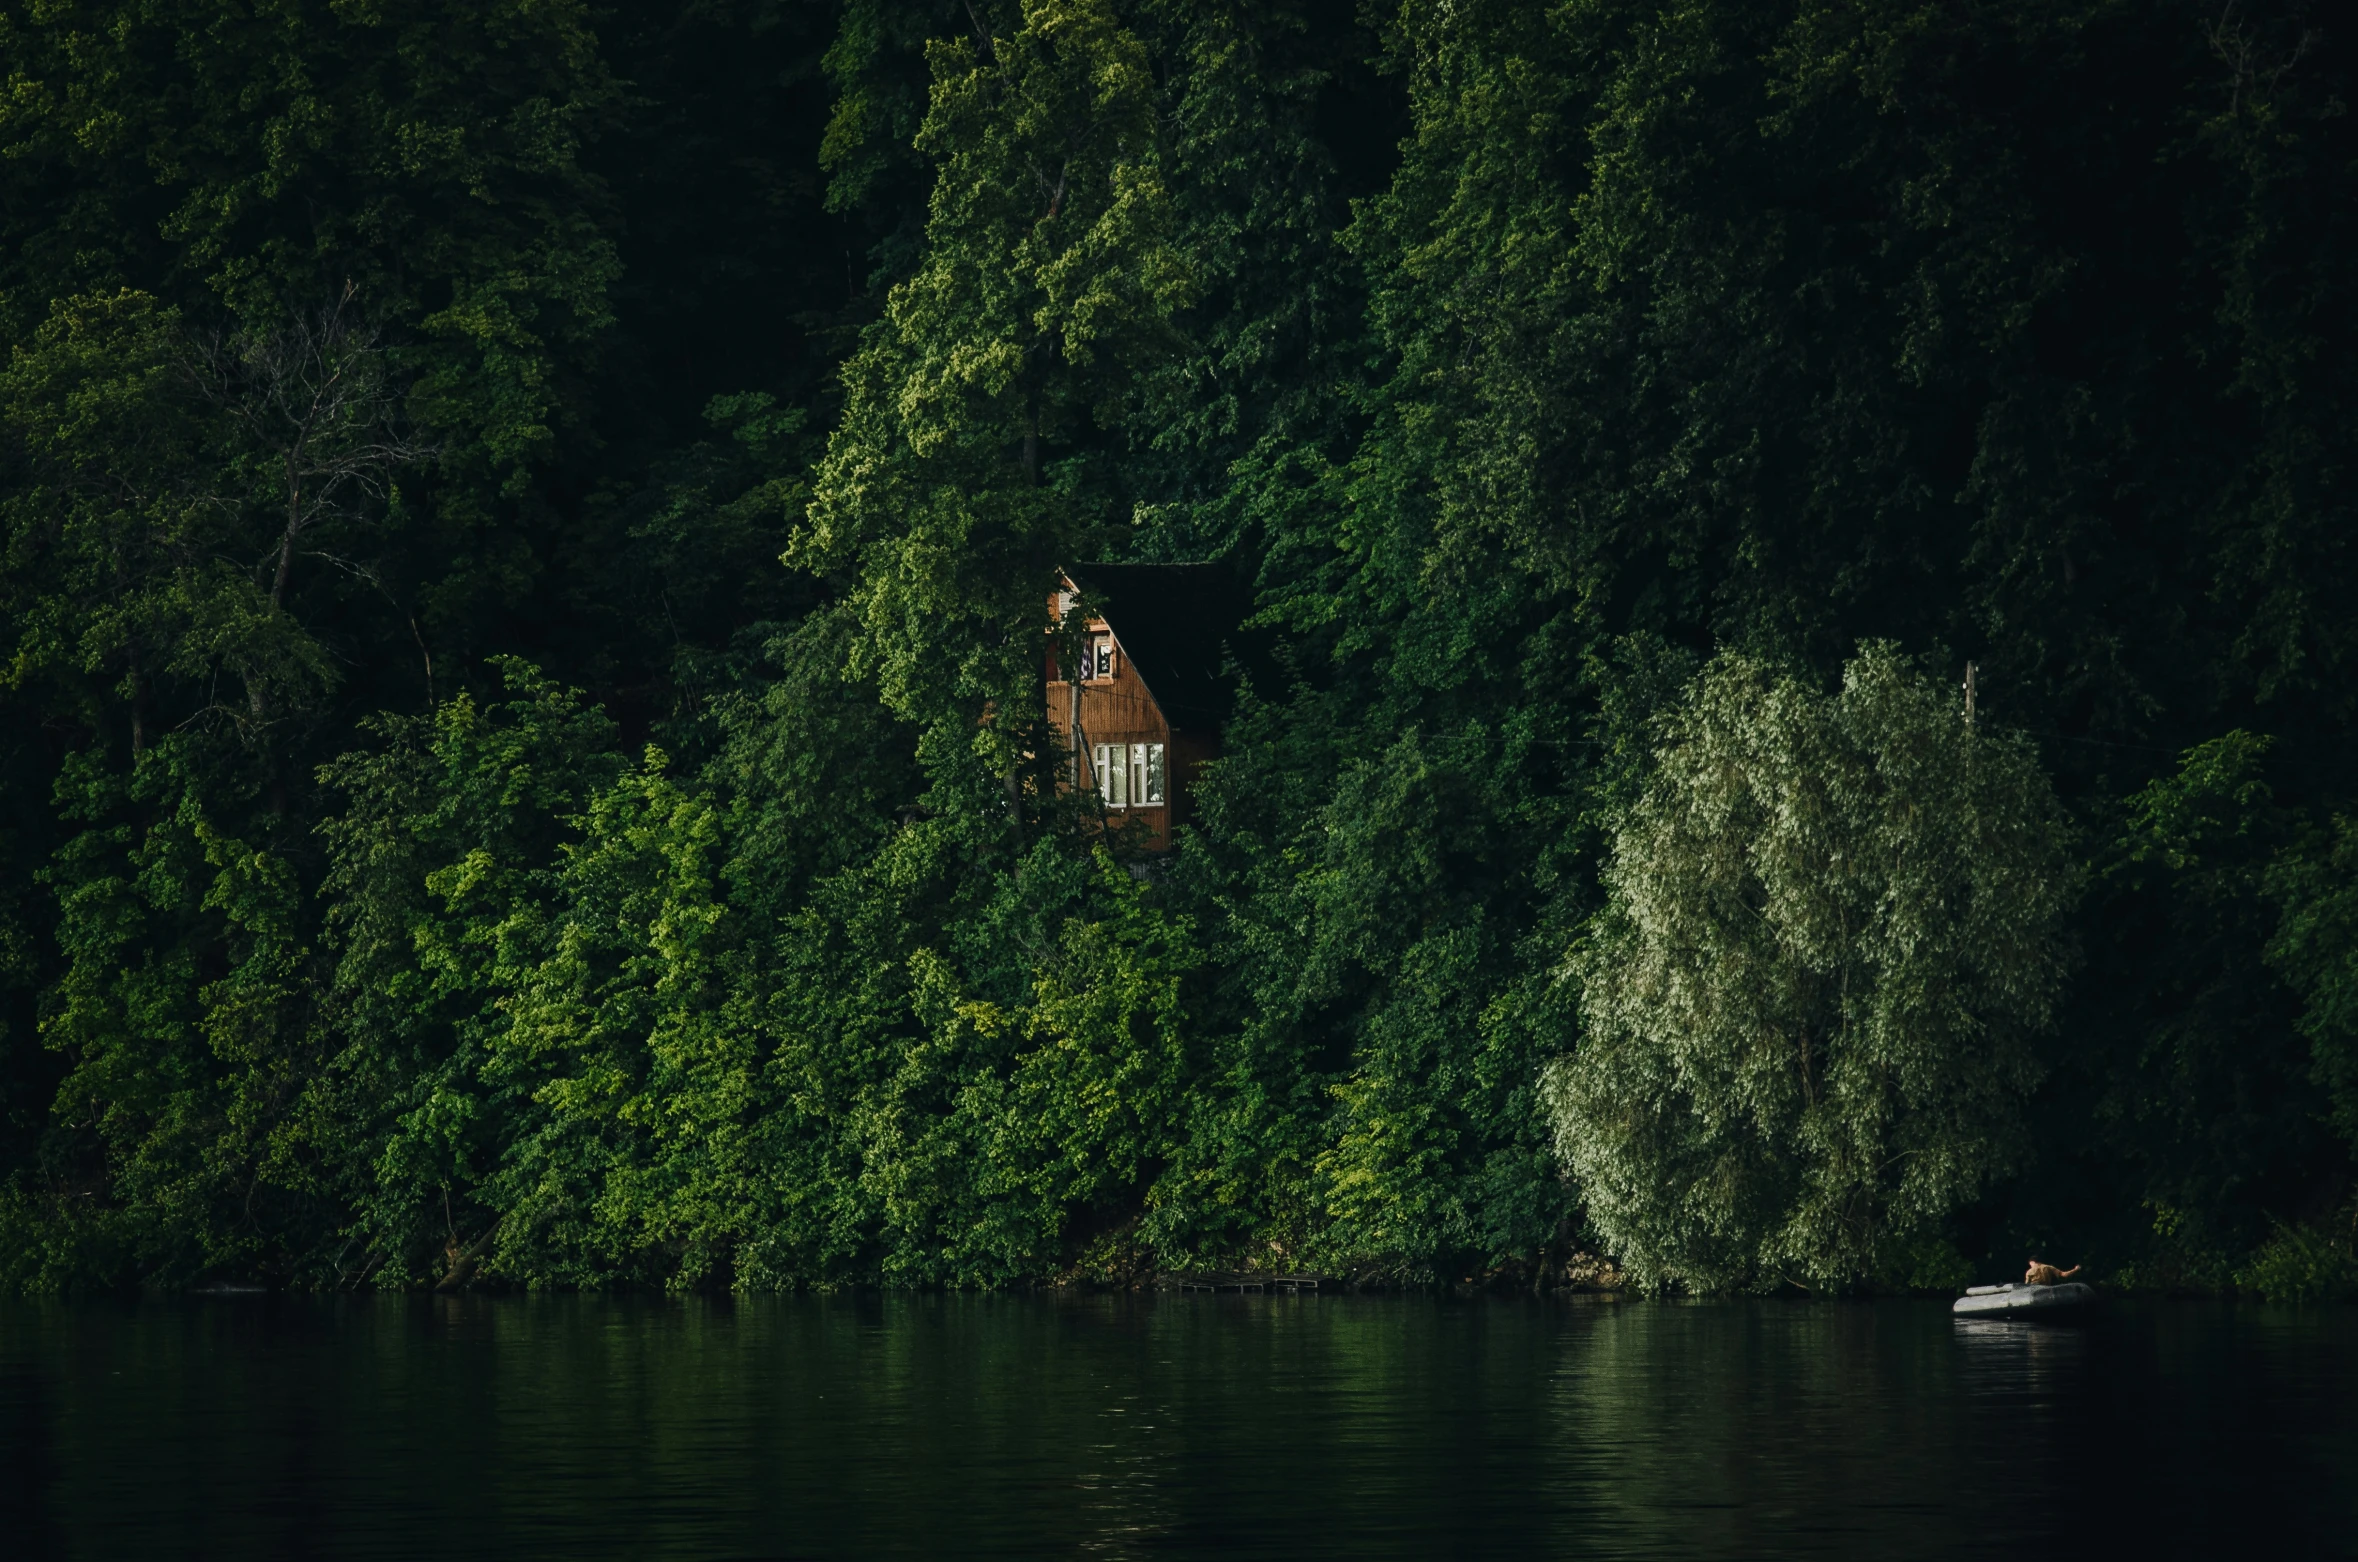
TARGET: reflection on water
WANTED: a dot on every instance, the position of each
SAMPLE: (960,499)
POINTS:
(1996,1356)
(1128,1427)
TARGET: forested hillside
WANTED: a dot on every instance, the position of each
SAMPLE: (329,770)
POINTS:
(527,533)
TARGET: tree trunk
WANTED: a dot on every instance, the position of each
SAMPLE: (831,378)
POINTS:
(462,1261)
(138,704)
(286,543)
(1031,425)
(427,656)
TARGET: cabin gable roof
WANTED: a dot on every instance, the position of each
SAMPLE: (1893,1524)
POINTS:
(1175,623)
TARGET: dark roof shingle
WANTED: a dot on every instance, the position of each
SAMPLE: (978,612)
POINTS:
(1176,622)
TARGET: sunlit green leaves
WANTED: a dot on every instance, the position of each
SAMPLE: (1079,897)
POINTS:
(954,486)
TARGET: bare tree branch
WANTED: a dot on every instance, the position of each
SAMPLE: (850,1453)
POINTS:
(318,401)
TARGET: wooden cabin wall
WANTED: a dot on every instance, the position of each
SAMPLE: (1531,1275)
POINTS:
(1188,754)
(1121,710)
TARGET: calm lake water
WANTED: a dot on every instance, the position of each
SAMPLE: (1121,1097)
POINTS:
(1359,1426)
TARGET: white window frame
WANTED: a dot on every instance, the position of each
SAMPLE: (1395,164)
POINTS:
(1130,775)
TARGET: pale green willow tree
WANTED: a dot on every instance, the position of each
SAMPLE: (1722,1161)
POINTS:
(1808,1008)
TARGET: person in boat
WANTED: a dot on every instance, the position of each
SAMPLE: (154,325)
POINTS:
(2047,1274)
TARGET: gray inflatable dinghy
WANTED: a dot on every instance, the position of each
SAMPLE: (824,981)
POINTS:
(2024,1301)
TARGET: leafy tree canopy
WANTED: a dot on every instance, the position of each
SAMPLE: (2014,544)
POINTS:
(524,540)
(1810,1005)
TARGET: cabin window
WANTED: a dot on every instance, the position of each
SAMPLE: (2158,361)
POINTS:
(1097,657)
(1129,775)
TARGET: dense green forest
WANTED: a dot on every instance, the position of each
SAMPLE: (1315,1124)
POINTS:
(527,529)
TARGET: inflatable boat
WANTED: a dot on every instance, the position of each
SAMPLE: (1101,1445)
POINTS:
(2024,1301)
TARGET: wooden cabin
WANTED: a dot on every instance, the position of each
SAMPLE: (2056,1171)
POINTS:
(1142,715)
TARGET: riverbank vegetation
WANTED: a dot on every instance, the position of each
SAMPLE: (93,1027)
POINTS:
(527,530)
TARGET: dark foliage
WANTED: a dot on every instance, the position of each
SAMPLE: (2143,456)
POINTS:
(520,746)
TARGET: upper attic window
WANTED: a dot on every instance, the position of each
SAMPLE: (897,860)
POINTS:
(1097,657)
